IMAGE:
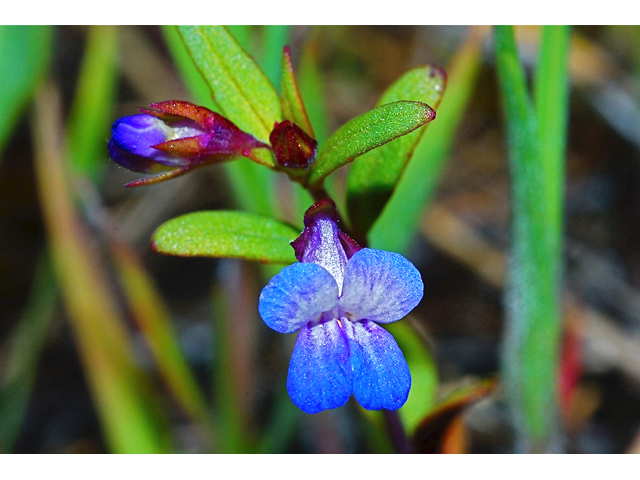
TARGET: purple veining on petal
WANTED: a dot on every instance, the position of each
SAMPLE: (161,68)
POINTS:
(320,375)
(381,377)
(325,249)
(380,286)
(298,295)
(322,242)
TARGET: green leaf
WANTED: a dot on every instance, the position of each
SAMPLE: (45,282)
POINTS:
(195,83)
(366,132)
(228,234)
(91,112)
(249,182)
(312,88)
(373,178)
(240,88)
(292,105)
(24,58)
(396,226)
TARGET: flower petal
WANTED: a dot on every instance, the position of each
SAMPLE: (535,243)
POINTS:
(300,293)
(380,286)
(320,375)
(381,377)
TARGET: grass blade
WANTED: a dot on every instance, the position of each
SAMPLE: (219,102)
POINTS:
(531,346)
(91,112)
(22,360)
(129,416)
(154,322)
(25,52)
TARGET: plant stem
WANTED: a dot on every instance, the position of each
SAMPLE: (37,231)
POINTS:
(396,432)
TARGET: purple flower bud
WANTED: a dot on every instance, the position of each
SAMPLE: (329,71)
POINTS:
(320,223)
(292,147)
(175,137)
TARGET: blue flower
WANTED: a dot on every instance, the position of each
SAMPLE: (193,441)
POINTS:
(336,296)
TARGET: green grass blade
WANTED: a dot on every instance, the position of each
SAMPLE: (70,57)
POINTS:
(123,395)
(275,37)
(531,346)
(21,365)
(91,112)
(312,90)
(396,226)
(374,176)
(226,234)
(366,132)
(25,52)
(551,100)
(154,322)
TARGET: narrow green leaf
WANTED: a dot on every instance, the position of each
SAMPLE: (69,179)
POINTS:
(532,331)
(397,225)
(551,94)
(274,38)
(154,321)
(312,88)
(239,86)
(125,402)
(366,132)
(374,176)
(90,117)
(23,354)
(292,105)
(190,75)
(25,51)
(228,234)
(249,182)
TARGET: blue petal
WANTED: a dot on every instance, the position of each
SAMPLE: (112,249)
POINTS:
(320,375)
(300,293)
(137,133)
(381,377)
(380,286)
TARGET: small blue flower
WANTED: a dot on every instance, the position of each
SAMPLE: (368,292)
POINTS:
(336,295)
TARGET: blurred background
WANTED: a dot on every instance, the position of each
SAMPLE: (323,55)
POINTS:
(106,346)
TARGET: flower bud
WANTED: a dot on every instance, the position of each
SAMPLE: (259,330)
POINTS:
(176,137)
(322,242)
(292,147)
